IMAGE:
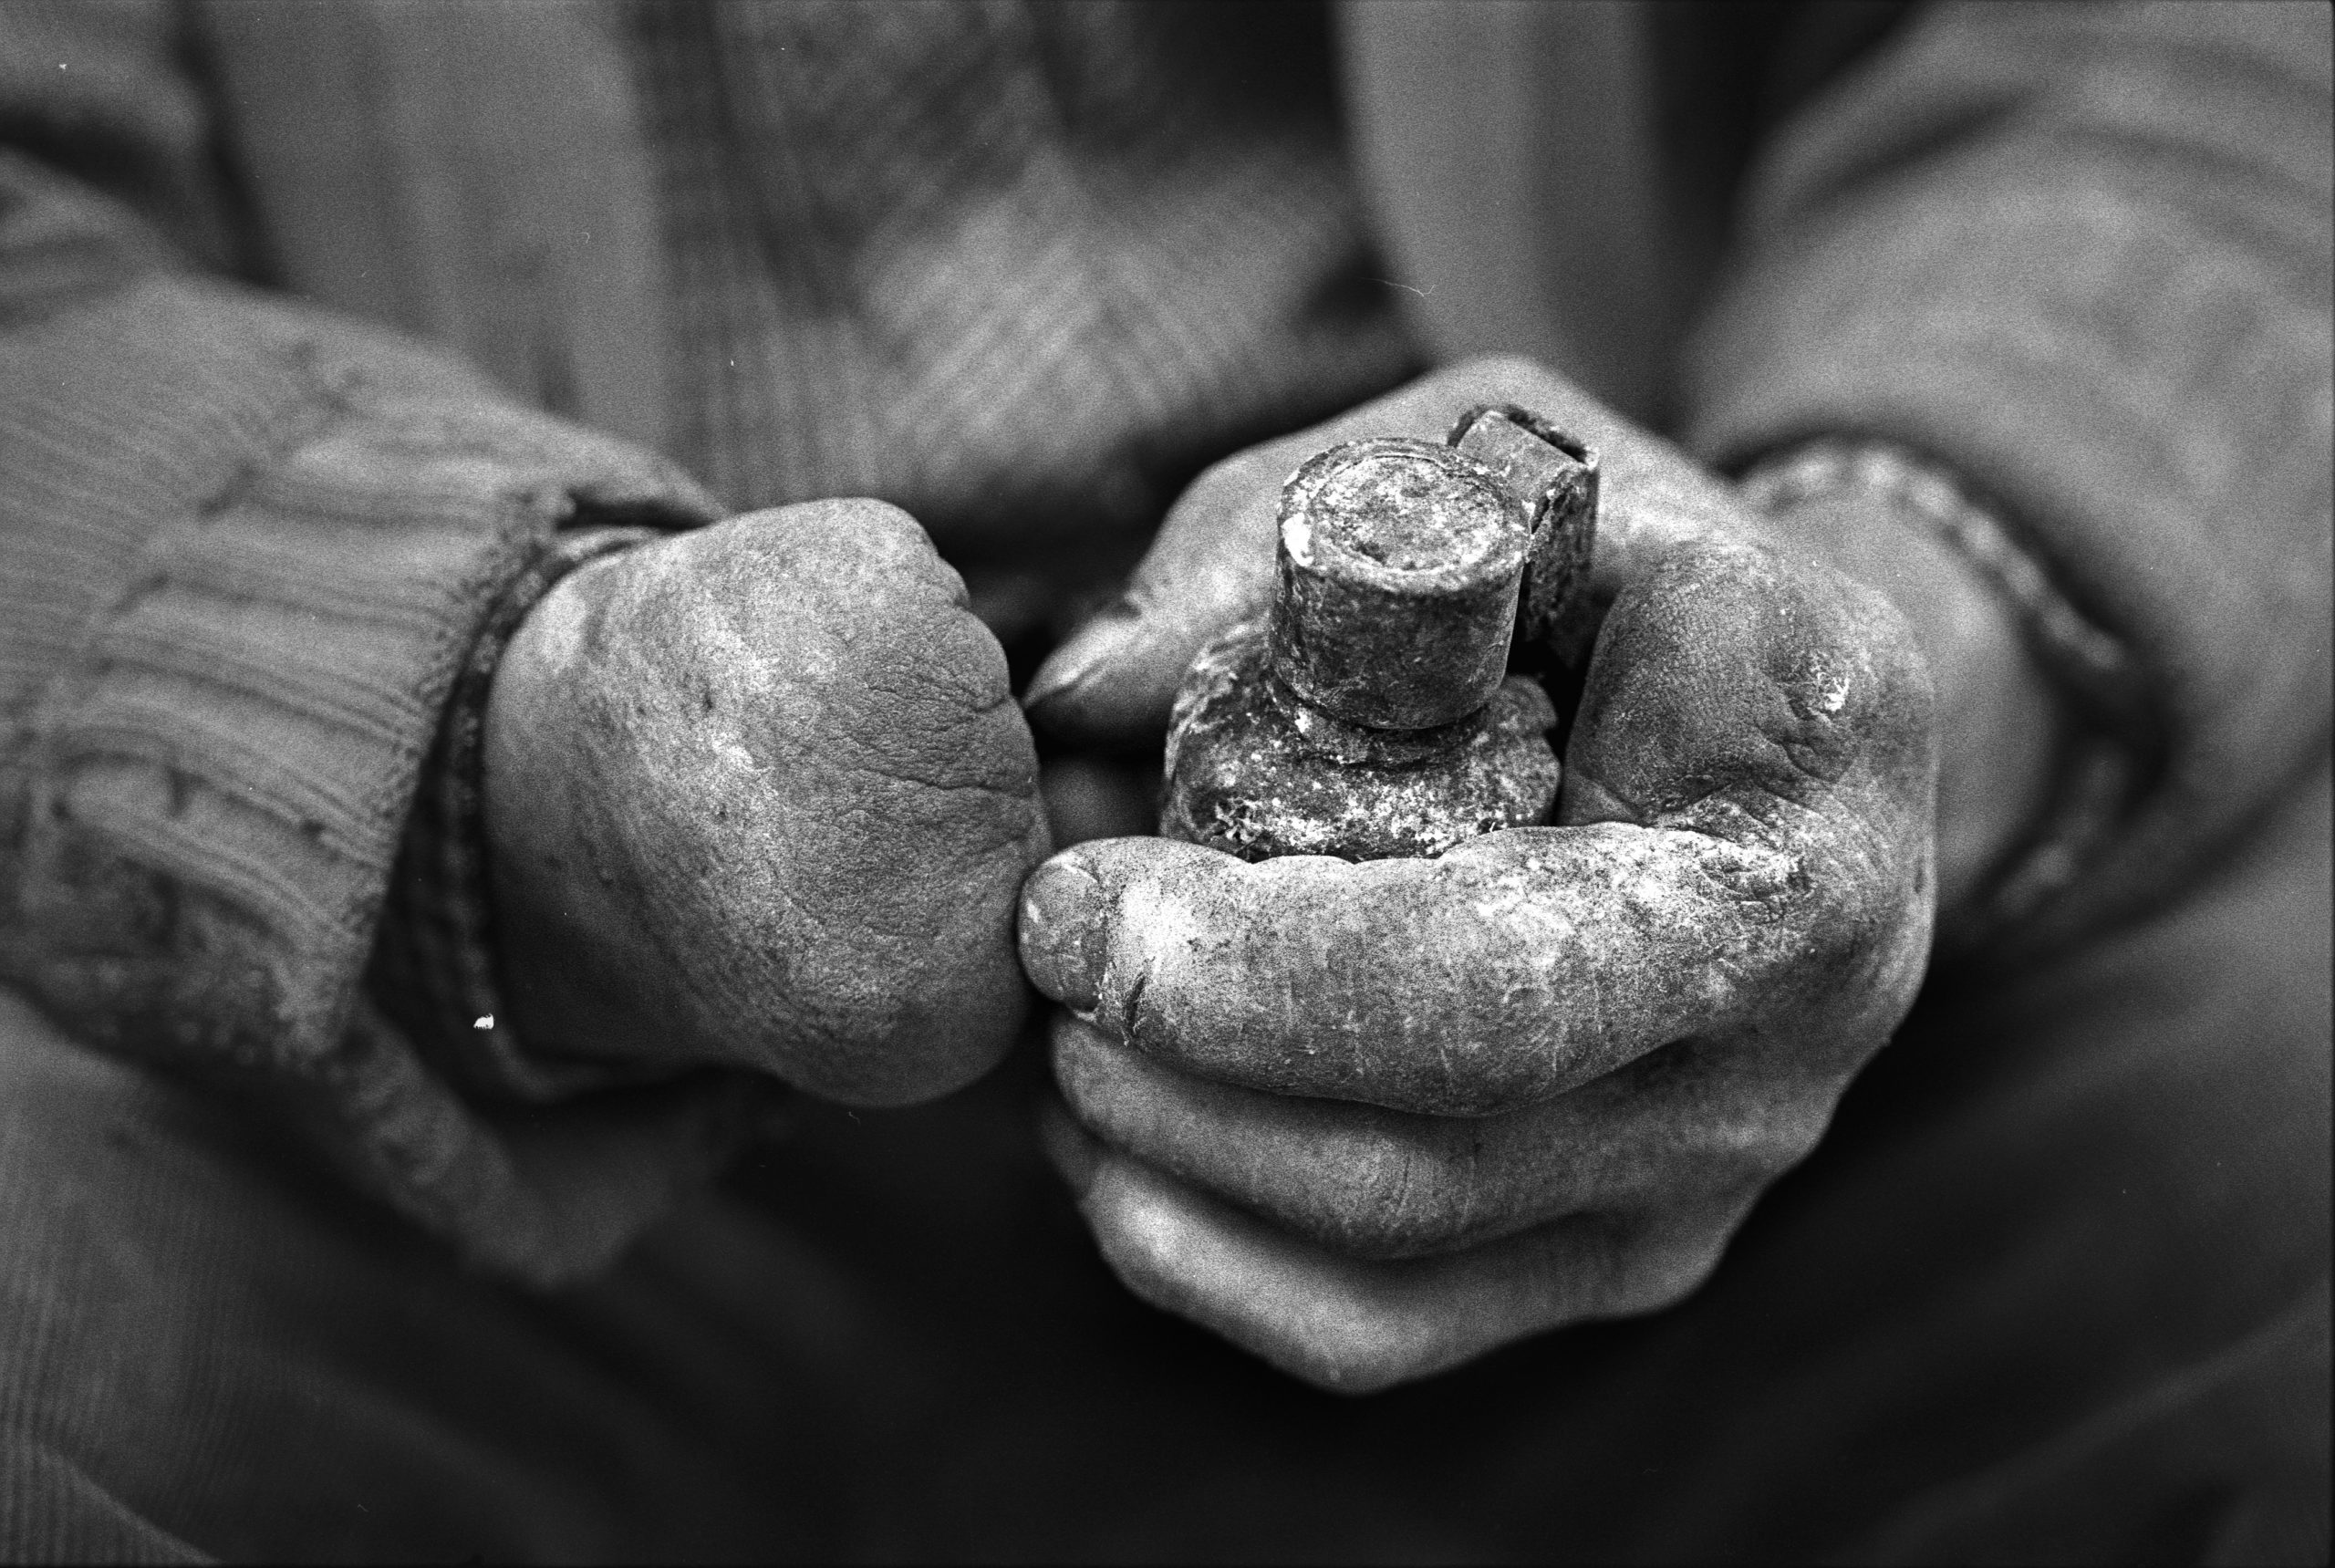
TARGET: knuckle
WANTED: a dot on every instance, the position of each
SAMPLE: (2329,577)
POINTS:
(1834,937)
(1404,1202)
(915,708)
(861,524)
(1096,1086)
(1753,875)
(1407,1209)
(1851,933)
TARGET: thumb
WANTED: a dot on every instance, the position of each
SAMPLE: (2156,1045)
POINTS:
(1731,679)
(1211,566)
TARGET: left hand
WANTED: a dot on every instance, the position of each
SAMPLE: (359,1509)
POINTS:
(757,796)
(1373,1120)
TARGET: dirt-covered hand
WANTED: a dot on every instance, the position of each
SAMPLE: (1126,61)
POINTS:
(758,794)
(1372,1120)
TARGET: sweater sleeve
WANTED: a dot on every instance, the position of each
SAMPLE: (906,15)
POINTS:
(245,550)
(2080,255)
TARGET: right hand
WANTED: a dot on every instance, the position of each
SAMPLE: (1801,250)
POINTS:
(1372,1120)
(758,795)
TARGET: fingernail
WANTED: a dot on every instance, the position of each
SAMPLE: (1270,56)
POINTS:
(1098,642)
(1062,933)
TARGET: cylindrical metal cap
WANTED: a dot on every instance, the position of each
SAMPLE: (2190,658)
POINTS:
(1556,477)
(1399,562)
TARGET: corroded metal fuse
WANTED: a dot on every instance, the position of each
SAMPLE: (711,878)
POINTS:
(1370,713)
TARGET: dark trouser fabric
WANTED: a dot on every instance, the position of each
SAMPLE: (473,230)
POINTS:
(2055,1289)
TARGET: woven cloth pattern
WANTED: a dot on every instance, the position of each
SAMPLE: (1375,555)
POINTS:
(991,262)
(1017,268)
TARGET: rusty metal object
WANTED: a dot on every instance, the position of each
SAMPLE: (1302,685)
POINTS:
(1369,715)
(1397,573)
(1557,478)
(1256,770)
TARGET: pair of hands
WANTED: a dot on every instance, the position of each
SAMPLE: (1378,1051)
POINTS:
(759,794)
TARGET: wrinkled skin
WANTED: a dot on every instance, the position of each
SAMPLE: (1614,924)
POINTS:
(758,795)
(1372,1120)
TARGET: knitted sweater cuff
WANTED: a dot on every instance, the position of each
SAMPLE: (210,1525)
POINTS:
(434,969)
(2148,407)
(263,542)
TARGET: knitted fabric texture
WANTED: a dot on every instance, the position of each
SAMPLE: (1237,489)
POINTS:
(2105,302)
(1018,269)
(1023,269)
(250,548)
(434,968)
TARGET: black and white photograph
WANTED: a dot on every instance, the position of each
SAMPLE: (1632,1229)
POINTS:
(1166,781)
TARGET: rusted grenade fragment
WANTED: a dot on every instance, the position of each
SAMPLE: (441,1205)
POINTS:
(1370,714)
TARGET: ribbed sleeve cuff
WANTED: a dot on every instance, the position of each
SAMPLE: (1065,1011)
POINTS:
(434,969)
(273,539)
(2147,404)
